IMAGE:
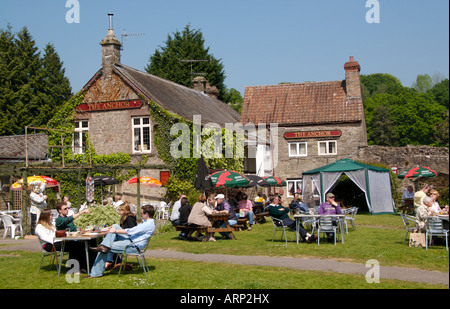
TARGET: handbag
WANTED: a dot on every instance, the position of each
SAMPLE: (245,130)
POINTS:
(417,240)
(60,233)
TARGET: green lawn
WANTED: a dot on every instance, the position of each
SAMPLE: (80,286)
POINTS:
(377,237)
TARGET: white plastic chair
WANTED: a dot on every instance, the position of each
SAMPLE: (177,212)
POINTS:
(436,228)
(410,224)
(163,211)
(278,225)
(326,226)
(9,224)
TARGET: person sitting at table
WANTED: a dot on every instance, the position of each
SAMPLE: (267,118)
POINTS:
(118,239)
(199,216)
(127,221)
(424,211)
(223,206)
(246,210)
(420,195)
(330,207)
(185,211)
(297,203)
(277,211)
(434,194)
(407,194)
(46,231)
(175,214)
(64,221)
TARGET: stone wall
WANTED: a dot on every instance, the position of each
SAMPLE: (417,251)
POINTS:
(436,158)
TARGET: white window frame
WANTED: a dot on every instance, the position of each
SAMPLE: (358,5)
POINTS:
(288,185)
(298,154)
(141,127)
(80,131)
(327,153)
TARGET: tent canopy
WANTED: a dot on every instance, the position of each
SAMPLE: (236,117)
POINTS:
(373,181)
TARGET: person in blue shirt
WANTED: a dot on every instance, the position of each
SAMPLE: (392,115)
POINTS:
(117,239)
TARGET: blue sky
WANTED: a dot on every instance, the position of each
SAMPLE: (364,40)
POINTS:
(260,42)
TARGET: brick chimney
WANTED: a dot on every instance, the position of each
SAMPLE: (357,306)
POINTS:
(110,49)
(201,84)
(352,79)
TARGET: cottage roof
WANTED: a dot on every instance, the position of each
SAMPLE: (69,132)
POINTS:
(301,104)
(12,148)
(178,99)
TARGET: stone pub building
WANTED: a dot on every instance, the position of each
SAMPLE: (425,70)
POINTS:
(318,123)
(116,113)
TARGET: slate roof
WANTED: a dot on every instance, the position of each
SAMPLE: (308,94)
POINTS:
(179,99)
(12,148)
(300,104)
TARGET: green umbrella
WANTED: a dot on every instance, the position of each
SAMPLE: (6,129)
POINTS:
(229,179)
(274,181)
(418,171)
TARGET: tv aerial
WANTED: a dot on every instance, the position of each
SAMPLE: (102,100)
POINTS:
(191,62)
(124,35)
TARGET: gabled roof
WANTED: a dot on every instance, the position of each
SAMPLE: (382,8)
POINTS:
(12,148)
(300,104)
(178,99)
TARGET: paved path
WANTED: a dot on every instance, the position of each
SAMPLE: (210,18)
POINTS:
(386,272)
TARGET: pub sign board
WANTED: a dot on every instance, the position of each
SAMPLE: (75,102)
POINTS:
(312,134)
(105,106)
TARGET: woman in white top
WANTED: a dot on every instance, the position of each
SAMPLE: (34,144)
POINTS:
(434,196)
(46,231)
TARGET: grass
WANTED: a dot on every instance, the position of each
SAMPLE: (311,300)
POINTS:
(378,237)
(18,271)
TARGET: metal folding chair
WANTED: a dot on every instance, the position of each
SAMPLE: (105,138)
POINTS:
(139,254)
(410,224)
(278,225)
(326,226)
(435,227)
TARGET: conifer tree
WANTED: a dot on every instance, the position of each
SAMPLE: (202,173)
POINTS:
(31,87)
(167,62)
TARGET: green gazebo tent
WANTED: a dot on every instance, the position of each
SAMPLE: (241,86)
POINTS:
(373,181)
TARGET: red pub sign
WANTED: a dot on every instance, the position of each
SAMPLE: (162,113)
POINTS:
(313,134)
(103,106)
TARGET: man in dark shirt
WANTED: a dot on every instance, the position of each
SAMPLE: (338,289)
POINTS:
(185,211)
(65,221)
(282,213)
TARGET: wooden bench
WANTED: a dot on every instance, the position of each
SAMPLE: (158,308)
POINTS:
(260,217)
(198,228)
(242,222)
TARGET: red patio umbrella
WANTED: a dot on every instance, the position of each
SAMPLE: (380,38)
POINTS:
(150,181)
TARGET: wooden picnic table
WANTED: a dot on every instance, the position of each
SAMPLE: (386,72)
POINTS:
(217,217)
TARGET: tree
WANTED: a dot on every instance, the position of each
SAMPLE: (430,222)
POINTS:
(440,92)
(234,99)
(423,83)
(168,62)
(31,88)
(55,84)
(382,127)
